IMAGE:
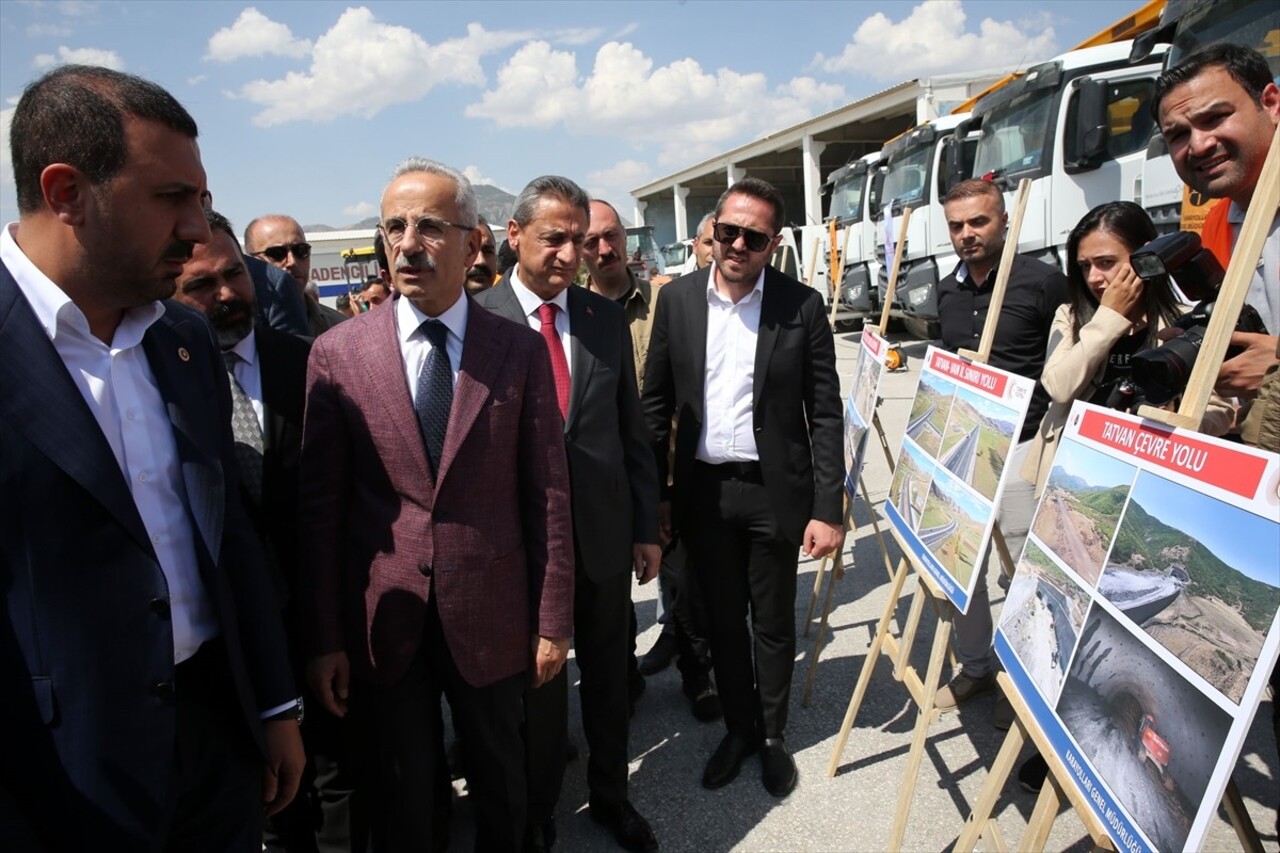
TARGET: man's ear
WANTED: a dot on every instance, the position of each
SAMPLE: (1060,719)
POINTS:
(1270,101)
(513,234)
(66,192)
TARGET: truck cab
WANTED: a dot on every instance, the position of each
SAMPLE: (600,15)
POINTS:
(855,197)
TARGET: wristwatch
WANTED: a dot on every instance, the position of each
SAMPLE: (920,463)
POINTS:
(294,712)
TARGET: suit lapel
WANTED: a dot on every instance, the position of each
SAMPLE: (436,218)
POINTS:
(503,302)
(378,349)
(766,339)
(694,317)
(39,400)
(483,352)
(194,439)
(581,327)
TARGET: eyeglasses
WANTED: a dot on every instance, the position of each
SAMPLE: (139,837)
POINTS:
(301,251)
(756,241)
(429,228)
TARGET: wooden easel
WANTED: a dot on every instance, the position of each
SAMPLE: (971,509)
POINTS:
(1195,399)
(922,691)
(835,270)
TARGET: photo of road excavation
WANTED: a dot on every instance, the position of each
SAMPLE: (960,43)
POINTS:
(1199,576)
(866,382)
(855,431)
(1042,617)
(952,525)
(929,412)
(976,441)
(1151,736)
(910,485)
(1081,506)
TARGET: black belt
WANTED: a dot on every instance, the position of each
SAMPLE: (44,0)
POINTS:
(747,472)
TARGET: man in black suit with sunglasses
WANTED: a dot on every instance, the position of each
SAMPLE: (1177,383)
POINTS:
(278,240)
(743,357)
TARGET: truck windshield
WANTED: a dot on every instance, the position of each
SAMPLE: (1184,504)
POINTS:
(1254,23)
(1014,133)
(846,197)
(674,254)
(907,176)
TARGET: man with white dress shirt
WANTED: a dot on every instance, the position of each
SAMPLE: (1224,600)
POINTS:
(743,358)
(148,699)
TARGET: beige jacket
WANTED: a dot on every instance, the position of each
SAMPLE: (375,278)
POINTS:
(639,312)
(1072,372)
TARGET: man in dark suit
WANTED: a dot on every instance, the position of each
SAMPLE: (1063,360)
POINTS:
(267,371)
(436,423)
(280,305)
(278,240)
(742,355)
(141,647)
(615,494)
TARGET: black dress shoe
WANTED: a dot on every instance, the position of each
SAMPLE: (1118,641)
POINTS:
(541,836)
(726,761)
(629,828)
(704,701)
(661,655)
(777,768)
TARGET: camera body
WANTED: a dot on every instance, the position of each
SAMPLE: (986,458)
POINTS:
(1161,373)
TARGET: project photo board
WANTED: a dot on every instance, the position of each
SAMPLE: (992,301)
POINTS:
(1141,624)
(861,406)
(951,470)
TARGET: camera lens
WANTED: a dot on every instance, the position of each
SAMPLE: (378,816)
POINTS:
(1162,372)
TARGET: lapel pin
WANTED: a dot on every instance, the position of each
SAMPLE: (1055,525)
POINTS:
(183,354)
(590,313)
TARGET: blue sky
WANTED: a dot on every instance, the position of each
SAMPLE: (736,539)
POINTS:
(305,107)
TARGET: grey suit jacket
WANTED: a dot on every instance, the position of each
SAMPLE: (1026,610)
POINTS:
(613,478)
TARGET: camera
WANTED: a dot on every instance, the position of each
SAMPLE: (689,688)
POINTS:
(1161,373)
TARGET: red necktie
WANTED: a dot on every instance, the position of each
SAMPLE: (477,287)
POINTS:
(559,365)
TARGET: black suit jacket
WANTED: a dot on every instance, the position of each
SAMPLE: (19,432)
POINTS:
(280,305)
(283,367)
(612,477)
(87,723)
(795,397)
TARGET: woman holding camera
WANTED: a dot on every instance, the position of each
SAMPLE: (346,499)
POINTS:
(1111,315)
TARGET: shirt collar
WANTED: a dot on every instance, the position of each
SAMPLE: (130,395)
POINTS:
(409,318)
(530,301)
(54,309)
(1235,213)
(247,348)
(714,295)
(639,288)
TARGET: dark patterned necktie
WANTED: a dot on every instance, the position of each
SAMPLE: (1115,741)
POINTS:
(247,432)
(435,393)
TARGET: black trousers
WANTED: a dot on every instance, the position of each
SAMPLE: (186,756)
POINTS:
(218,785)
(601,642)
(743,566)
(688,614)
(402,745)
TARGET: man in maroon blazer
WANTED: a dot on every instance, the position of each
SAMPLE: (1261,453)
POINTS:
(437,552)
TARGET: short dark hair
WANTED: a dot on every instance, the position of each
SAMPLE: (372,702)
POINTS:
(76,114)
(217,221)
(975,188)
(380,251)
(548,186)
(757,188)
(1245,65)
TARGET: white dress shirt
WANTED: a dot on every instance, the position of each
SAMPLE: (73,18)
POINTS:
(530,302)
(248,372)
(728,430)
(415,346)
(1263,293)
(120,390)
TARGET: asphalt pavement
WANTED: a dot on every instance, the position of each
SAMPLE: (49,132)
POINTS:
(854,810)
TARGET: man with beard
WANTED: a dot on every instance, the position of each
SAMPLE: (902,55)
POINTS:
(267,372)
(742,356)
(280,241)
(482,272)
(976,220)
(148,699)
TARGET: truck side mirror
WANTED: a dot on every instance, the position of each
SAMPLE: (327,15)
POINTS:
(876,188)
(1089,141)
(953,157)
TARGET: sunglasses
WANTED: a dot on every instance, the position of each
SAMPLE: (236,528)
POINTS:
(301,251)
(756,241)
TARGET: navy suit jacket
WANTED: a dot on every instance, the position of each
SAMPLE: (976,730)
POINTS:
(87,721)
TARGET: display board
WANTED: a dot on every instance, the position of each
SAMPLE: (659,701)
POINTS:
(950,470)
(1141,624)
(861,406)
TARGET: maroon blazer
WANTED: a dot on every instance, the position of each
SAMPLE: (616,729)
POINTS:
(493,536)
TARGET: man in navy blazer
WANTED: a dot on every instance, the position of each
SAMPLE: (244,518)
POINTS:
(142,657)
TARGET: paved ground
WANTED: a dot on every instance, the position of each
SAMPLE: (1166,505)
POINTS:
(854,810)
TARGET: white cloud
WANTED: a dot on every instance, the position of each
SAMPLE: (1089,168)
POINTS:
(478,179)
(79,56)
(614,184)
(254,34)
(47,31)
(77,8)
(6,162)
(362,66)
(360,209)
(197,80)
(933,40)
(690,112)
